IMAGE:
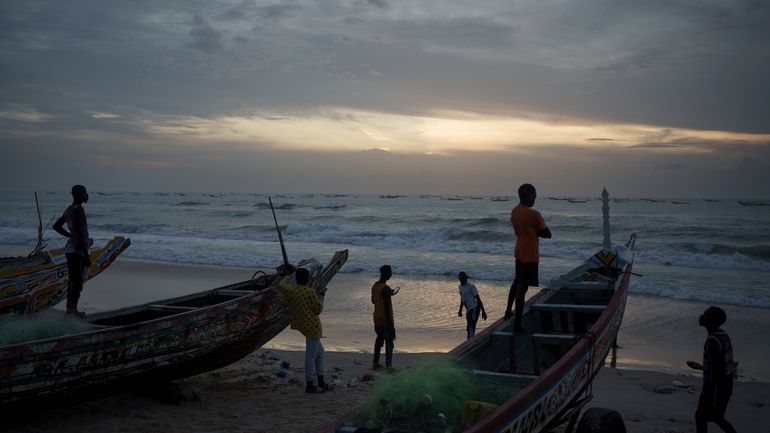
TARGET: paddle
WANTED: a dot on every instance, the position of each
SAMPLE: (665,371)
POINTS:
(287,267)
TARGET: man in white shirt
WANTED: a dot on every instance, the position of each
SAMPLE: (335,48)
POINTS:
(470,299)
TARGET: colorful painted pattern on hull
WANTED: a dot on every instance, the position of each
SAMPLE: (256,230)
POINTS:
(32,289)
(165,340)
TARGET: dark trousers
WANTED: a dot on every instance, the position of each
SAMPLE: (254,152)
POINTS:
(472,317)
(74,280)
(712,411)
(526,275)
(385,334)
(517,293)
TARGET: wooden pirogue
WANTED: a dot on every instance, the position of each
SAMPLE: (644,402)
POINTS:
(545,377)
(34,283)
(163,340)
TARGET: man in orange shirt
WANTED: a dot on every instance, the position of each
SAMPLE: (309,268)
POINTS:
(528,225)
(384,326)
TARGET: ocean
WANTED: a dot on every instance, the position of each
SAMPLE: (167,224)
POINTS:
(690,253)
(711,251)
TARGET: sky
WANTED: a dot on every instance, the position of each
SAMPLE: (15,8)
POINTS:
(654,98)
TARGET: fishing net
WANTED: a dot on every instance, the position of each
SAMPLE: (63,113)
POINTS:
(18,329)
(428,398)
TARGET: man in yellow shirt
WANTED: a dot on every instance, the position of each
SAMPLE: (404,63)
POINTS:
(305,306)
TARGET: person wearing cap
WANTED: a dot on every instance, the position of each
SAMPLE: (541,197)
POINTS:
(719,369)
(305,307)
(470,299)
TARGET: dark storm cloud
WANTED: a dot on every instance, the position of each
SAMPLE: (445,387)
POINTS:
(91,76)
(205,38)
(679,64)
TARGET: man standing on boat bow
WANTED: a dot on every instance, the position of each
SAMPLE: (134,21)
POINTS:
(528,225)
(78,243)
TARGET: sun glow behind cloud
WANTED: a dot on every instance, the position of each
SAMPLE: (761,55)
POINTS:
(341,129)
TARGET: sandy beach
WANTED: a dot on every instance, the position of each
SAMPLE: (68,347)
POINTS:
(651,391)
(249,397)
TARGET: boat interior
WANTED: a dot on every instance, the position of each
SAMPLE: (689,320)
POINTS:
(555,324)
(183,304)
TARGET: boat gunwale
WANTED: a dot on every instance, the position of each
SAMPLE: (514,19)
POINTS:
(139,325)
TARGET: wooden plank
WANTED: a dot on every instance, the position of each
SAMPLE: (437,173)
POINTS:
(162,307)
(556,338)
(235,292)
(574,308)
(518,376)
(587,285)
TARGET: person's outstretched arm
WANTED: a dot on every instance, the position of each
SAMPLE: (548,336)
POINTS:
(460,311)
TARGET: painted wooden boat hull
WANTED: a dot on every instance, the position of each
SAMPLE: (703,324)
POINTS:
(546,400)
(33,284)
(167,340)
(550,386)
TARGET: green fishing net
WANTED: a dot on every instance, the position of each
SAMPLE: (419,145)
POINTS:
(428,398)
(18,329)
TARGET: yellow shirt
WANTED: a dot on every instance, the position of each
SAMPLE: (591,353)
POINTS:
(305,305)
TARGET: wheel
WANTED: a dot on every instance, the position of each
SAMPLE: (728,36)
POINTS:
(601,420)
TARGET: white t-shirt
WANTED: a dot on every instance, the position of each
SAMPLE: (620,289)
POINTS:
(468,293)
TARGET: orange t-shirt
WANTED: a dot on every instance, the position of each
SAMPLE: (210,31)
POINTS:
(381,298)
(526,222)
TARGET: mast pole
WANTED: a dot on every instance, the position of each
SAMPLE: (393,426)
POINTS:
(280,237)
(606,216)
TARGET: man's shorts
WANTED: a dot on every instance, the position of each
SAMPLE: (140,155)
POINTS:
(526,273)
(385,332)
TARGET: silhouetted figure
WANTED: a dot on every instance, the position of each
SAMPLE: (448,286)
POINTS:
(305,306)
(470,299)
(384,326)
(76,249)
(529,226)
(719,369)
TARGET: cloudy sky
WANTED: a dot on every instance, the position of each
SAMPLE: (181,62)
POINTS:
(667,98)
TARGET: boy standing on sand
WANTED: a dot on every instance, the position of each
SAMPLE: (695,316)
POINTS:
(470,299)
(78,243)
(305,306)
(718,372)
(384,326)
(528,225)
